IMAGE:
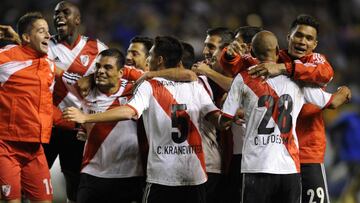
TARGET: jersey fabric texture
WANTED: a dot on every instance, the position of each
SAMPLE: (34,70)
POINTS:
(112,149)
(271,110)
(26,82)
(209,137)
(171,112)
(79,59)
(313,68)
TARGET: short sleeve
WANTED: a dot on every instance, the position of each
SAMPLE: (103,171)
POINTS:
(141,98)
(207,105)
(233,100)
(317,96)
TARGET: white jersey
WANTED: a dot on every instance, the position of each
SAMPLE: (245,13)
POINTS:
(171,112)
(112,149)
(208,134)
(271,110)
(238,132)
(80,59)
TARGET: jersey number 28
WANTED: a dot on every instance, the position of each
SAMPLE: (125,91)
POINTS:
(284,118)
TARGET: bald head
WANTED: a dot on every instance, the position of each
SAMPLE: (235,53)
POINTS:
(265,46)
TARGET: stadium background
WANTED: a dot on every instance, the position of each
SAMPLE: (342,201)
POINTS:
(115,22)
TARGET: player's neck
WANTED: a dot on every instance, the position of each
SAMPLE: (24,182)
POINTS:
(71,40)
(109,90)
(267,61)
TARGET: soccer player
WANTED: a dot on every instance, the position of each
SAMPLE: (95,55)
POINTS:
(209,136)
(111,168)
(26,81)
(176,166)
(301,63)
(215,40)
(215,37)
(270,160)
(138,51)
(73,53)
(218,76)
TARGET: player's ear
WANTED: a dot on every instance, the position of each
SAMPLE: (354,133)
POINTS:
(121,72)
(288,36)
(315,44)
(78,20)
(25,38)
(160,61)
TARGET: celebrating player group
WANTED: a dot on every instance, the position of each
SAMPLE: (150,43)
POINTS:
(153,125)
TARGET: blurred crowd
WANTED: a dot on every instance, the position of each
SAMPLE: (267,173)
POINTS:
(115,22)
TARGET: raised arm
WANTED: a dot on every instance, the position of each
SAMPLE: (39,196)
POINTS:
(8,33)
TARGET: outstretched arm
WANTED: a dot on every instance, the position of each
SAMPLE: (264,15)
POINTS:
(115,114)
(175,74)
(314,69)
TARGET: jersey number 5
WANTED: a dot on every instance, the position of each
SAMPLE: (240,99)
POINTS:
(284,118)
(179,123)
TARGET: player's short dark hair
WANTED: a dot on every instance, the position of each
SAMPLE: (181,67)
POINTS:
(305,19)
(25,23)
(146,41)
(170,49)
(116,53)
(188,57)
(226,34)
(248,32)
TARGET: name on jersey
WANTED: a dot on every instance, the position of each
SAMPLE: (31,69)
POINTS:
(263,140)
(173,149)
(169,83)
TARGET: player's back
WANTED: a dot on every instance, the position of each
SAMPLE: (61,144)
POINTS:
(171,116)
(271,110)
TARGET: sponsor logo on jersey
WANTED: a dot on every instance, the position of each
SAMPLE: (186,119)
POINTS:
(57,60)
(5,190)
(85,59)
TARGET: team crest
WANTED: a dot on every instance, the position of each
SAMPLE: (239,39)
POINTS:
(84,59)
(5,190)
(123,100)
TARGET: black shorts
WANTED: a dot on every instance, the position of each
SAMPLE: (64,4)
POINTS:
(264,188)
(155,193)
(70,150)
(234,180)
(314,185)
(214,187)
(93,189)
